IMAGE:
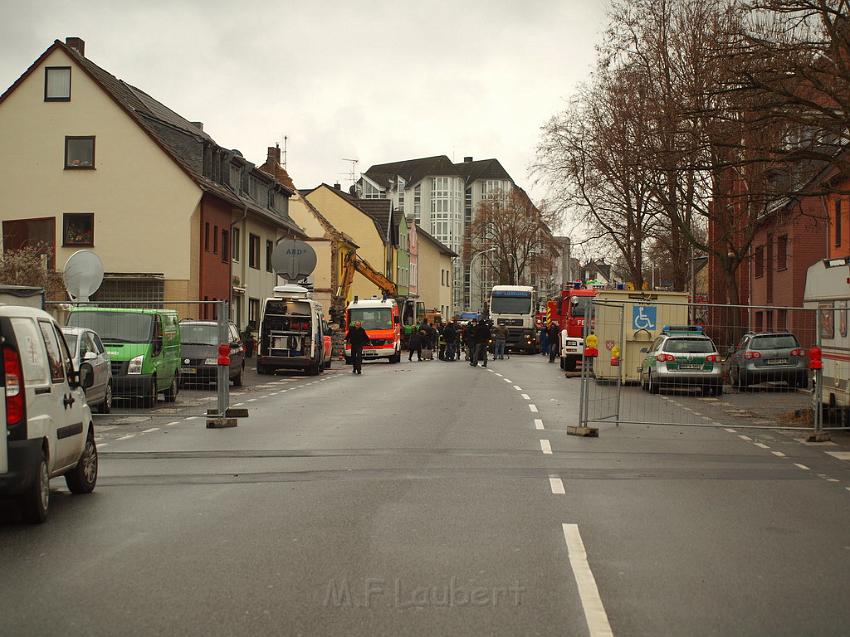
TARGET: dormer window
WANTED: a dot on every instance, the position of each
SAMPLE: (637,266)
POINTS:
(57,84)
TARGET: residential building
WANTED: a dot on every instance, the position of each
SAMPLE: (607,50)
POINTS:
(442,196)
(436,266)
(102,165)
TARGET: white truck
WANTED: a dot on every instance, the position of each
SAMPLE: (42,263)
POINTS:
(291,332)
(513,307)
(828,289)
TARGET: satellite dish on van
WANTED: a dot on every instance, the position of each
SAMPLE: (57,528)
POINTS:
(294,260)
(83,275)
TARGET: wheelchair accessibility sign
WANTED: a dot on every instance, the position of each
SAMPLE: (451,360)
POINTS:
(644,318)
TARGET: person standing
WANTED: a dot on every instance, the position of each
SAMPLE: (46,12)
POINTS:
(554,337)
(450,336)
(469,339)
(481,340)
(544,340)
(414,345)
(357,338)
(500,337)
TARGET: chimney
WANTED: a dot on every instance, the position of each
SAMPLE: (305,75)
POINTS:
(337,186)
(78,44)
(274,155)
(198,125)
(467,160)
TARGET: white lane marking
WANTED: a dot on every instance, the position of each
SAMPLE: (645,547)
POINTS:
(538,424)
(238,404)
(499,375)
(557,485)
(594,610)
(801,466)
(147,431)
(761,445)
(126,437)
(517,387)
(833,480)
(848,488)
(841,455)
(525,396)
(545,447)
(533,408)
(507,380)
(252,400)
(731,431)
(742,437)
(171,424)
(778,453)
(191,418)
(102,444)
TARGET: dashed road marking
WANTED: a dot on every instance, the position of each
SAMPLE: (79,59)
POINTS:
(841,455)
(171,424)
(743,437)
(499,375)
(191,418)
(517,387)
(594,610)
(252,400)
(238,404)
(533,408)
(507,380)
(801,466)
(545,447)
(525,396)
(102,444)
(778,454)
(761,445)
(557,485)
(127,437)
(833,480)
(152,429)
(538,423)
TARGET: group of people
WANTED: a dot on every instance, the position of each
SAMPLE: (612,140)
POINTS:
(550,340)
(452,340)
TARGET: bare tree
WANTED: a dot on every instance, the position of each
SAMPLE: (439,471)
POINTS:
(28,266)
(514,237)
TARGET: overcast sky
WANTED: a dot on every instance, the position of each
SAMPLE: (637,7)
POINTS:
(376,81)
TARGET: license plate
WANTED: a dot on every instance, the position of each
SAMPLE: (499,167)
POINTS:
(690,366)
(777,361)
(372,354)
(188,370)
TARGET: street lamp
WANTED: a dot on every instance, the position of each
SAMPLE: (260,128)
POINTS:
(471,260)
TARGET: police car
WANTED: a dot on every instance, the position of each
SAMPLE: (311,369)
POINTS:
(682,356)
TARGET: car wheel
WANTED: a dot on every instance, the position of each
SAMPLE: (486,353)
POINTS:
(83,477)
(570,363)
(802,381)
(149,400)
(171,392)
(642,381)
(262,370)
(718,391)
(652,388)
(106,406)
(36,499)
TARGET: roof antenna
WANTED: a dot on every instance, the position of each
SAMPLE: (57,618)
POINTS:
(285,144)
(352,175)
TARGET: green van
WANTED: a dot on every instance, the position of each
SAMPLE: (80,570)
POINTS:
(143,347)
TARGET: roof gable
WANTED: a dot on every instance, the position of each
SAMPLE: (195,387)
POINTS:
(482,169)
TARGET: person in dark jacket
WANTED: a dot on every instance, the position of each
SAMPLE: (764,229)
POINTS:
(482,340)
(450,337)
(554,337)
(414,344)
(544,340)
(357,337)
(469,338)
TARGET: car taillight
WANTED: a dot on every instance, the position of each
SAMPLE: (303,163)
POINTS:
(751,355)
(665,358)
(713,358)
(14,387)
(798,352)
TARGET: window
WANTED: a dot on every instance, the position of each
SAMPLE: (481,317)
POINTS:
(759,262)
(40,233)
(215,239)
(30,346)
(225,246)
(207,236)
(253,313)
(57,84)
(79,152)
(782,252)
(271,199)
(254,251)
(269,250)
(54,356)
(236,244)
(78,229)
(417,203)
(838,223)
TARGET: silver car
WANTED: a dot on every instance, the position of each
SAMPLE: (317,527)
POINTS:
(85,347)
(768,357)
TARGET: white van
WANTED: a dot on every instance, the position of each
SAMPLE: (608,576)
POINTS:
(291,332)
(47,423)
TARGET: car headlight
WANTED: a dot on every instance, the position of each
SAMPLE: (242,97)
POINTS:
(135,366)
(210,361)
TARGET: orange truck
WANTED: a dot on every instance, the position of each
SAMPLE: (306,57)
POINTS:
(382,322)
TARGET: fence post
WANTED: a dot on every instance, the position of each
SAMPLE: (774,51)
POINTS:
(582,429)
(219,418)
(819,434)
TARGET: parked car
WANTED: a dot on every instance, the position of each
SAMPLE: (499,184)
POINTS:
(46,421)
(85,347)
(682,356)
(143,348)
(199,353)
(766,357)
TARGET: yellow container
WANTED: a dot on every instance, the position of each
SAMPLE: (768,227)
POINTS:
(629,320)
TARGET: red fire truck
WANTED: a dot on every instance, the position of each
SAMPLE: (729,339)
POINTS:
(568,310)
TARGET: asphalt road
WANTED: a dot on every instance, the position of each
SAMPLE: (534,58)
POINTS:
(435,499)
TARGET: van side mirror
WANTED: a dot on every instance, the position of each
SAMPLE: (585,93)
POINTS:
(86,375)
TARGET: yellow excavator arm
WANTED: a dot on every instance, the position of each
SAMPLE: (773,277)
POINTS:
(355,263)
